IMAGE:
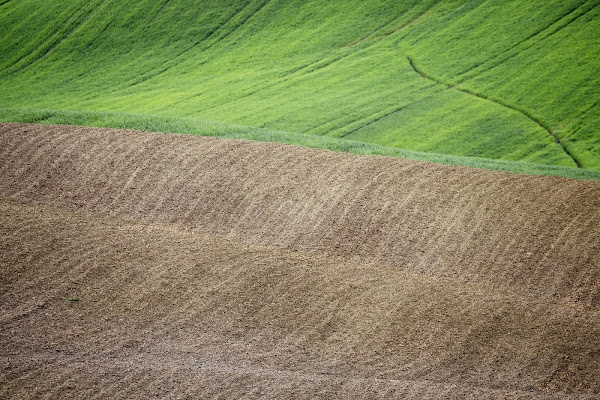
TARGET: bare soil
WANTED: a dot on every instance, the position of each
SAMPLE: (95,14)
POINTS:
(214,268)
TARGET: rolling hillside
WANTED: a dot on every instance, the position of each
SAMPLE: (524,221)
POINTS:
(507,80)
(173,224)
(142,265)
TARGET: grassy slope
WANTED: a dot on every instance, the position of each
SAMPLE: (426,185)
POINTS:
(487,79)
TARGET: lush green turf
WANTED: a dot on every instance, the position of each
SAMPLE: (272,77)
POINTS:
(154,123)
(489,79)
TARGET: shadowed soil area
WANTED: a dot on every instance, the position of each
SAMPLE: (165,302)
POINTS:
(234,269)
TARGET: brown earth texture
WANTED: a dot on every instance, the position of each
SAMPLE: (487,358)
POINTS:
(147,265)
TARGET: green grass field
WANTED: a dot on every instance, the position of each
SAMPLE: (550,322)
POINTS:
(471,80)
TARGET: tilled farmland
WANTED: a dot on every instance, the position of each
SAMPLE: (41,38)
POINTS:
(148,265)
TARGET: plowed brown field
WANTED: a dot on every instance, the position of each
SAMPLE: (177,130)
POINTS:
(234,269)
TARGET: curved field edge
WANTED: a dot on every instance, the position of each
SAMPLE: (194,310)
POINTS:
(155,123)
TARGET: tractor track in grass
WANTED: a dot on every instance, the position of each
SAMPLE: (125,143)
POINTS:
(509,53)
(385,114)
(317,65)
(500,103)
(50,37)
(78,20)
(371,33)
(577,117)
(209,267)
(166,65)
(414,19)
(100,34)
(162,7)
(173,63)
(367,120)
